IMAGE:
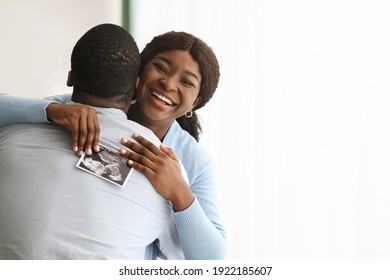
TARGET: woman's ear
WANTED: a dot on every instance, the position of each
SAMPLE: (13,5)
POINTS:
(69,81)
(197,102)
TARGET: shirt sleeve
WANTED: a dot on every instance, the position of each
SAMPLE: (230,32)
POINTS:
(199,227)
(14,109)
(199,238)
(168,246)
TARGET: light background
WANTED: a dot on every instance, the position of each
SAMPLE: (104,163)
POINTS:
(298,128)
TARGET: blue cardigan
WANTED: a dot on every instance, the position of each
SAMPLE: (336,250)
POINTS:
(202,235)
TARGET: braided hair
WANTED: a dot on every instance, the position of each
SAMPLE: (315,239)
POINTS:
(208,66)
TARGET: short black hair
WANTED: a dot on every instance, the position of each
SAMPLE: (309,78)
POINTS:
(105,62)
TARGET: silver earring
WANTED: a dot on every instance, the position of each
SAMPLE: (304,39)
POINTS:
(188,114)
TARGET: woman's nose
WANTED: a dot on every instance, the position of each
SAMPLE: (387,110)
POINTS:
(169,83)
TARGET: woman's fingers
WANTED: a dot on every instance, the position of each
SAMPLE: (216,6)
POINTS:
(144,155)
(82,135)
(82,121)
(75,136)
(95,141)
(85,130)
(91,138)
(169,152)
(144,147)
(147,144)
(138,161)
(143,152)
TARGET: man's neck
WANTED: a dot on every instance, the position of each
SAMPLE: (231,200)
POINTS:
(91,100)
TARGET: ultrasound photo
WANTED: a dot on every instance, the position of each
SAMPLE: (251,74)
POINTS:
(107,164)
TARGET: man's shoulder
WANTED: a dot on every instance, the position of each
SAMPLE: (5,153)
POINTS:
(122,127)
(28,128)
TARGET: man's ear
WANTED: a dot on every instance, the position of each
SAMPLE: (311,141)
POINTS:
(137,83)
(136,88)
(69,81)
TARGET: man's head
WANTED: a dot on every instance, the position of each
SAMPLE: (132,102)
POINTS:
(105,63)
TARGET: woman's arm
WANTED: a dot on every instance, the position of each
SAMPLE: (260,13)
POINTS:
(198,226)
(81,120)
(200,230)
(15,109)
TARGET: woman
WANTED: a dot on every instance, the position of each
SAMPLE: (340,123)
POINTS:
(179,74)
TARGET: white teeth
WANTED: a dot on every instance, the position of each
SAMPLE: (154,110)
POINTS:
(162,98)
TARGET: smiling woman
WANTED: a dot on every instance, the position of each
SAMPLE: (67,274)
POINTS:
(187,63)
(180,68)
(168,89)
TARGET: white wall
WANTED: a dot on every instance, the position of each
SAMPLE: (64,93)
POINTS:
(299,125)
(37,38)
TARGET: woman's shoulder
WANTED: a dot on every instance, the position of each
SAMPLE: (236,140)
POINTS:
(195,159)
(179,139)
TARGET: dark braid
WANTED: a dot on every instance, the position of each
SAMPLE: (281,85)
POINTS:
(208,66)
(191,125)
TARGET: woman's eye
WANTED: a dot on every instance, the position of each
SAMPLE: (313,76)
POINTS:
(160,68)
(187,83)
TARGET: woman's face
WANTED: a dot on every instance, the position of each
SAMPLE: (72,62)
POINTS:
(169,86)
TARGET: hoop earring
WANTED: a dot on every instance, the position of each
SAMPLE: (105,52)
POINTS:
(188,114)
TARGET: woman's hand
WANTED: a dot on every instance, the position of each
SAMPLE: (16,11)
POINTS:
(162,168)
(82,121)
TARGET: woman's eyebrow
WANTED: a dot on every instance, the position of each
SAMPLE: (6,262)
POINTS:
(167,61)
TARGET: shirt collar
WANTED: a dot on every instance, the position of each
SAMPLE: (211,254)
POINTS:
(117,113)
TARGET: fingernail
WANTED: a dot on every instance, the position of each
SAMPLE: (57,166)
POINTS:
(122,151)
(130,162)
(124,140)
(135,135)
(75,149)
(88,151)
(97,148)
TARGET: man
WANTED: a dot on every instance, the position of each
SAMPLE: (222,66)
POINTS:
(49,209)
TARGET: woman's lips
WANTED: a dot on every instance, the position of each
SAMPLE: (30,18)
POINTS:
(162,98)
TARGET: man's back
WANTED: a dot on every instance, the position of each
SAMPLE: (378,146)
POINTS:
(49,209)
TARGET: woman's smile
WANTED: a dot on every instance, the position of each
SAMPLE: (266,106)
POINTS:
(169,86)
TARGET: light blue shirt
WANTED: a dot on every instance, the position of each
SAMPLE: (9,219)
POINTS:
(201,232)
(49,209)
